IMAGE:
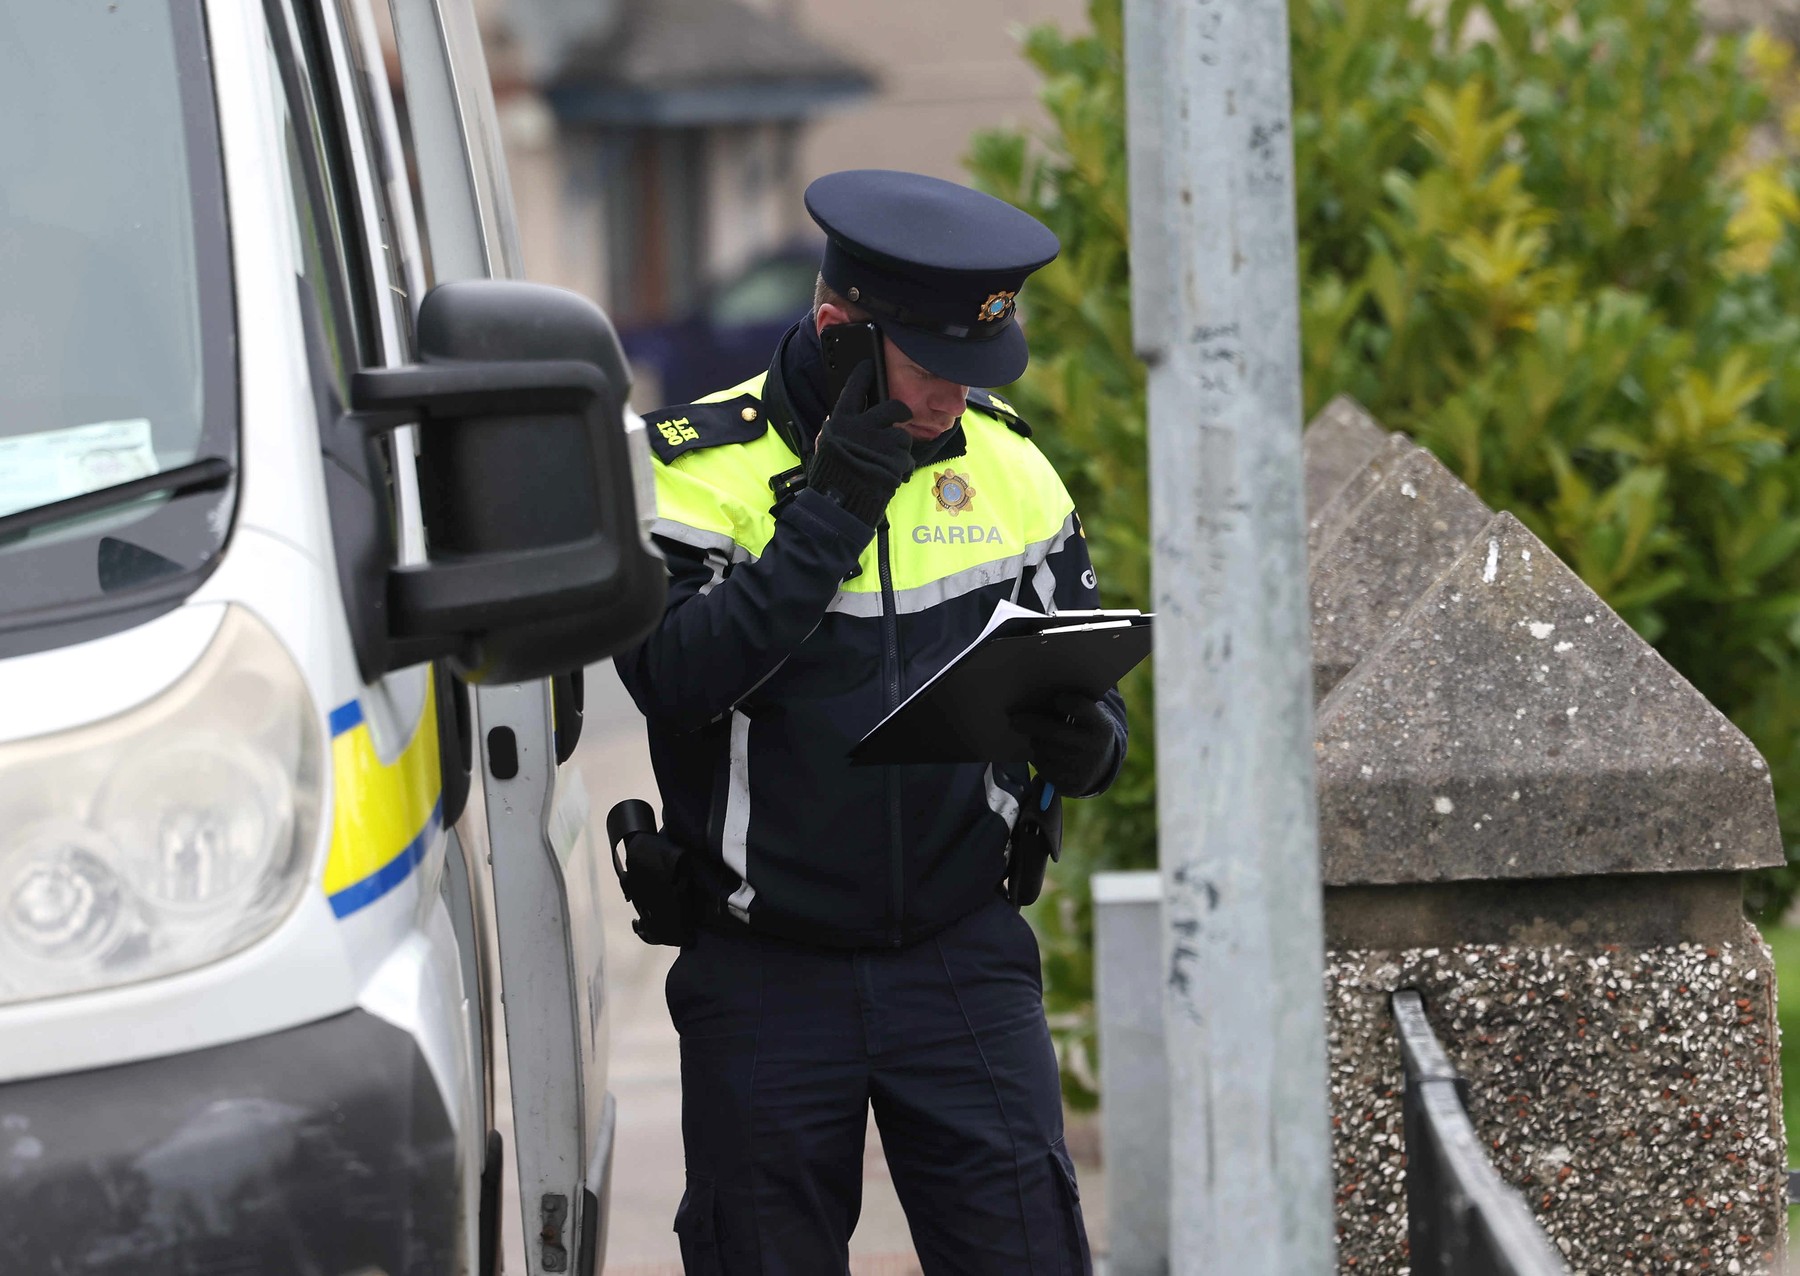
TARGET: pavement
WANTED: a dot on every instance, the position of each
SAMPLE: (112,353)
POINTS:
(645,1075)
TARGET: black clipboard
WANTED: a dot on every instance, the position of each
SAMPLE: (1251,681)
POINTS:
(1020,660)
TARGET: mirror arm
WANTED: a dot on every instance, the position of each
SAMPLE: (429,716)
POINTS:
(387,398)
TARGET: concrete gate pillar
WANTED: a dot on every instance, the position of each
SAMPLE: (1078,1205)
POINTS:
(1529,816)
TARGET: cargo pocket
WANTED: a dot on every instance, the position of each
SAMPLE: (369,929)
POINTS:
(1078,1260)
(696,1228)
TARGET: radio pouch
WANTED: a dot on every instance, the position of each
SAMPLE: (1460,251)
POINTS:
(1036,840)
(653,875)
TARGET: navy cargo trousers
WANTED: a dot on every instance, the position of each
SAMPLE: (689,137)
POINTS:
(784,1049)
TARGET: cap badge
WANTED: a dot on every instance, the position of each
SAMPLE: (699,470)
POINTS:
(997,307)
(953,491)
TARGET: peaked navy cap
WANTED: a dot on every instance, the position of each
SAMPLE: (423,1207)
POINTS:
(936,264)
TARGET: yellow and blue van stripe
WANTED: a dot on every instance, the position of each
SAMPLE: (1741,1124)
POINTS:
(385,816)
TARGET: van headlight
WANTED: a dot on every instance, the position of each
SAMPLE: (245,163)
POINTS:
(167,837)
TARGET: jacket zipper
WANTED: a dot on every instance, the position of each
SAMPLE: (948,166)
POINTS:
(890,665)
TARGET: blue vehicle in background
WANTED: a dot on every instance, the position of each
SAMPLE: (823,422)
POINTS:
(728,336)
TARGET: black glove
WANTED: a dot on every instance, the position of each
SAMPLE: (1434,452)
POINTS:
(1072,741)
(862,457)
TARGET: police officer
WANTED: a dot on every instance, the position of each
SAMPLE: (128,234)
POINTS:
(855,947)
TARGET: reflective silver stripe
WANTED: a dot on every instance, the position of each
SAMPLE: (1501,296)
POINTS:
(956,584)
(1043,580)
(999,801)
(721,551)
(736,838)
(924,597)
(715,563)
(1062,536)
(716,542)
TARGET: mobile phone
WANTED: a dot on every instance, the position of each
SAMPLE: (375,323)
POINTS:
(846,345)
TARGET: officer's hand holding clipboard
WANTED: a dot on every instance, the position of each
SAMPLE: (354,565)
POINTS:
(1020,661)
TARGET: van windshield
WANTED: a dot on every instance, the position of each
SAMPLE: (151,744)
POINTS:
(116,358)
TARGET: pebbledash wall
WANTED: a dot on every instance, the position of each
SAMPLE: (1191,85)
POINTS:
(1529,816)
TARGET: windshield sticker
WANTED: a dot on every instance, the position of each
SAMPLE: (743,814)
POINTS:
(36,469)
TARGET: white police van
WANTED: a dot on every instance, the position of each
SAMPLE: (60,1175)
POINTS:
(287,463)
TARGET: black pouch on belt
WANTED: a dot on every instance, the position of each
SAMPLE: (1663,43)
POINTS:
(1036,840)
(653,875)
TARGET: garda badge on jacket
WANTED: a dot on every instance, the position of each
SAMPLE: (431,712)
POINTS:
(952,491)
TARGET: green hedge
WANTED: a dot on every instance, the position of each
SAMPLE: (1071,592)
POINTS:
(1552,239)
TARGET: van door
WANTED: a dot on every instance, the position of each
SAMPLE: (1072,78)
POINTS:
(368,278)
(545,860)
(395,258)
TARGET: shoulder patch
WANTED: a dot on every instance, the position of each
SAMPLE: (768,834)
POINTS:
(689,427)
(992,403)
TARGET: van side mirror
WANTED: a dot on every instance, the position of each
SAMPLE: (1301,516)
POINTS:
(536,561)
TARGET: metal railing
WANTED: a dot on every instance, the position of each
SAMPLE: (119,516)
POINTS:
(1462,1220)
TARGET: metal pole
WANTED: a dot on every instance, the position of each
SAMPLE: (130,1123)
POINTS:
(1216,318)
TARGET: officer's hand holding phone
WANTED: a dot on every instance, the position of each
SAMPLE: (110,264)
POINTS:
(862,458)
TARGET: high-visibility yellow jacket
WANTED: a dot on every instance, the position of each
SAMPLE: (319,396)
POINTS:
(789,634)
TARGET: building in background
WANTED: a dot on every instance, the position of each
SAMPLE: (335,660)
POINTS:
(681,129)
(947,69)
(659,148)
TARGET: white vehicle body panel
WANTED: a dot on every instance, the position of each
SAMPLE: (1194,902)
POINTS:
(394,950)
(68,687)
(278,564)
